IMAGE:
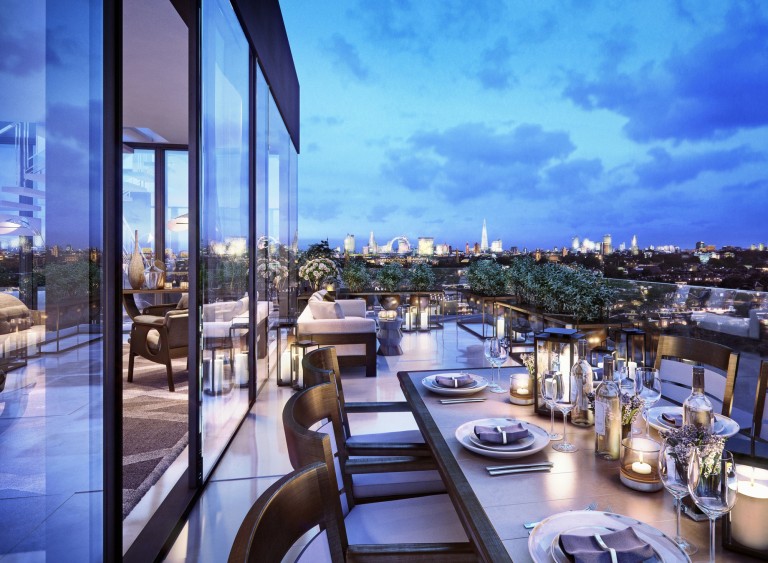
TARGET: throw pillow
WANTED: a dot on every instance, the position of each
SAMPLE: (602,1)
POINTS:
(328,297)
(183,302)
(325,310)
(317,295)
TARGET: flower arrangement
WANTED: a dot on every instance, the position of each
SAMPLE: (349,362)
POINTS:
(530,363)
(272,270)
(684,440)
(317,271)
(631,405)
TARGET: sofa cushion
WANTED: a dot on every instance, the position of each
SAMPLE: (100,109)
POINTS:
(325,310)
(183,302)
(317,296)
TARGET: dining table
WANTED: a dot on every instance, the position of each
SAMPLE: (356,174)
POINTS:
(494,509)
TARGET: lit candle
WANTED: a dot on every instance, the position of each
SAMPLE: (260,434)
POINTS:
(424,319)
(750,512)
(407,319)
(241,368)
(218,375)
(522,390)
(641,468)
(632,368)
(500,326)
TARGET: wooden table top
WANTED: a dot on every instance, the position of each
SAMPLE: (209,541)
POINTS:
(493,509)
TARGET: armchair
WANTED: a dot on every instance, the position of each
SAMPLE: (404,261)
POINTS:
(159,339)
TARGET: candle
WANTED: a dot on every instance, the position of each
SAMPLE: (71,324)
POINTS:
(500,326)
(750,513)
(522,390)
(407,319)
(641,468)
(218,375)
(632,368)
(241,368)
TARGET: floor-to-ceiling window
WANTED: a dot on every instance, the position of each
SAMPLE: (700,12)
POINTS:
(52,251)
(224,236)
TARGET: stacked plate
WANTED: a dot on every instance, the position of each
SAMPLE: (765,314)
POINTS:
(724,426)
(544,542)
(537,439)
(478,384)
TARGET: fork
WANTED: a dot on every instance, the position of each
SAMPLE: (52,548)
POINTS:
(531,525)
(610,550)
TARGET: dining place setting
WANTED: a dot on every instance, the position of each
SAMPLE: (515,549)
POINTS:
(655,454)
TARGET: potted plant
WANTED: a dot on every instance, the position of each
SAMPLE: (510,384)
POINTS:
(487,277)
(317,271)
(355,276)
(421,278)
(389,278)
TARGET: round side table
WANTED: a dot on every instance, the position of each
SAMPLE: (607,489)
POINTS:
(389,337)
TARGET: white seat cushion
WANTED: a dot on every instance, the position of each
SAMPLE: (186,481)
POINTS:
(394,484)
(401,436)
(429,519)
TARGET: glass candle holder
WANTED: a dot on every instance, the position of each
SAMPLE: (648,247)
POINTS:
(521,388)
(639,468)
(746,522)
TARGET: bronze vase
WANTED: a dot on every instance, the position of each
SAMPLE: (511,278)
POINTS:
(136,265)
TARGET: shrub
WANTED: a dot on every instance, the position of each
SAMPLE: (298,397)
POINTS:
(421,277)
(486,277)
(390,276)
(356,277)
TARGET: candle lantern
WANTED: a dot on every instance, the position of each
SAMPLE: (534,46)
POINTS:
(298,351)
(416,316)
(744,528)
(631,345)
(639,467)
(597,354)
(521,388)
(555,351)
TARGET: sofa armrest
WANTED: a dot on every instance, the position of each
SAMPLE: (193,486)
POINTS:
(340,326)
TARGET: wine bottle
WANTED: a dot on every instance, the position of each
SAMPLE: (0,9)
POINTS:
(608,414)
(697,408)
(581,374)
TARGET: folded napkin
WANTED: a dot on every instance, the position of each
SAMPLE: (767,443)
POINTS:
(585,549)
(454,381)
(501,434)
(675,420)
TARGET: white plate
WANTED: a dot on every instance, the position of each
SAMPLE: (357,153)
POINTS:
(463,433)
(561,557)
(542,537)
(429,382)
(520,444)
(724,426)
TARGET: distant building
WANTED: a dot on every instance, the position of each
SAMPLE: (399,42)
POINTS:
(700,245)
(426,246)
(514,250)
(349,244)
(496,246)
(634,248)
(466,248)
(476,248)
(607,245)
(372,246)
(442,249)
(622,247)
(575,244)
(484,238)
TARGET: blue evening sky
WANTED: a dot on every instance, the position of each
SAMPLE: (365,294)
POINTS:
(550,119)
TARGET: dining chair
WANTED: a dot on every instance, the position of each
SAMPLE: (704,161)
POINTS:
(675,357)
(403,529)
(760,415)
(321,366)
(273,525)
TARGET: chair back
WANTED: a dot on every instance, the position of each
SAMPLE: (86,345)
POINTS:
(313,434)
(675,358)
(321,366)
(760,416)
(286,511)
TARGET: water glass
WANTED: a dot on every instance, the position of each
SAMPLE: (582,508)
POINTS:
(674,476)
(496,354)
(547,390)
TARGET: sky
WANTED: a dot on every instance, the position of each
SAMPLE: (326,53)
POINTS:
(548,119)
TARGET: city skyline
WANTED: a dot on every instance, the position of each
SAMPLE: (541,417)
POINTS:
(549,120)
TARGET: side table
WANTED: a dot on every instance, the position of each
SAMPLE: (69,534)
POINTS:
(389,337)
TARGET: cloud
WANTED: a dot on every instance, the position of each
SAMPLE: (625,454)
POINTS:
(346,57)
(471,159)
(574,176)
(394,22)
(494,71)
(708,91)
(381,211)
(664,169)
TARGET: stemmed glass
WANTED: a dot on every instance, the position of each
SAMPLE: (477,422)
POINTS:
(712,484)
(674,476)
(565,399)
(648,386)
(547,390)
(496,354)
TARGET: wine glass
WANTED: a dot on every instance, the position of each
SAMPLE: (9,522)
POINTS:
(496,354)
(547,392)
(648,385)
(674,475)
(712,484)
(566,396)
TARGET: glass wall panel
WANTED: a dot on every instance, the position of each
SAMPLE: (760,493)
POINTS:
(224,234)
(176,216)
(51,366)
(139,202)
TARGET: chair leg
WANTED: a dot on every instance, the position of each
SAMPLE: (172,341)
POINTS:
(131,356)
(169,371)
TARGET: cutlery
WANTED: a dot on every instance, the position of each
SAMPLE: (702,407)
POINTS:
(519,466)
(519,470)
(452,401)
(610,550)
(531,525)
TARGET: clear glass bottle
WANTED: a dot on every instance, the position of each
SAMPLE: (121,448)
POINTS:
(697,408)
(608,414)
(581,373)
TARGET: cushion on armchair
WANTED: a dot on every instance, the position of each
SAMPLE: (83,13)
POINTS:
(325,310)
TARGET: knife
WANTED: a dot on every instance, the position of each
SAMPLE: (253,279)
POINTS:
(519,466)
(451,401)
(520,470)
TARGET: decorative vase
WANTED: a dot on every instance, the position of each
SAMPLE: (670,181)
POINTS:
(389,302)
(136,265)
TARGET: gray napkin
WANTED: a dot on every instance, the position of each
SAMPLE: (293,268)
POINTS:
(454,381)
(675,420)
(585,549)
(501,434)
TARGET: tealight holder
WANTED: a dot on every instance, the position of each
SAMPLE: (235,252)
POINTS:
(521,388)
(639,468)
(744,528)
